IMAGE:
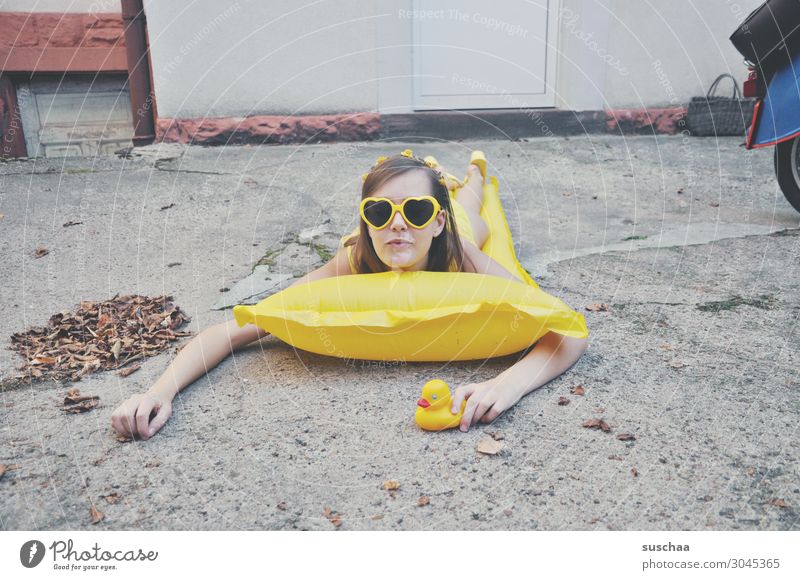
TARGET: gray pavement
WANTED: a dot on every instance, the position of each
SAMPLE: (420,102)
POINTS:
(687,240)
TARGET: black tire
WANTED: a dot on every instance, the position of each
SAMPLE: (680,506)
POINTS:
(787,159)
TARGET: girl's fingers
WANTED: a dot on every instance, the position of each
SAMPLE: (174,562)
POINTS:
(461,393)
(473,403)
(127,419)
(115,424)
(143,416)
(158,421)
(483,406)
(491,415)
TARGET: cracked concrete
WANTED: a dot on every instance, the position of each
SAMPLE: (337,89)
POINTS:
(696,355)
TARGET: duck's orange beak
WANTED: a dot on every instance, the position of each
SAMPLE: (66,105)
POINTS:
(423,403)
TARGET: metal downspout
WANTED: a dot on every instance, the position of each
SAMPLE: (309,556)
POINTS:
(142,98)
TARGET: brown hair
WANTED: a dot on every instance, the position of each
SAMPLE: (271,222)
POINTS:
(445,253)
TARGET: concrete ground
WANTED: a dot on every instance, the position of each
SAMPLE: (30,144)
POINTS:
(687,240)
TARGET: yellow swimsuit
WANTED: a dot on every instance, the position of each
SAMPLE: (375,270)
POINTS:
(463,224)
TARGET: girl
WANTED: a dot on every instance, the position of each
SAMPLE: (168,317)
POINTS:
(429,233)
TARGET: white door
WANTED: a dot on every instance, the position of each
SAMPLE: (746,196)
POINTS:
(471,54)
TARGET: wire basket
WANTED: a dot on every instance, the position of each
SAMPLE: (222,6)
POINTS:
(720,116)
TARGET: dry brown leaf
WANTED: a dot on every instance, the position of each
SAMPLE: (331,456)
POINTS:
(282,506)
(81,407)
(74,396)
(3,469)
(489,446)
(129,370)
(507,512)
(566,193)
(423,500)
(600,410)
(74,402)
(113,498)
(626,437)
(98,336)
(41,251)
(116,349)
(96,514)
(597,424)
(676,364)
(71,223)
(563,401)
(332,516)
(713,203)
(778,503)
(578,390)
(597,307)
(634,472)
(391,484)
(496,435)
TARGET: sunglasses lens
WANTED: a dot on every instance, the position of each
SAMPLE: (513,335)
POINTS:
(377,213)
(418,211)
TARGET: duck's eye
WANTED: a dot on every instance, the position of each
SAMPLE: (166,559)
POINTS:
(433,397)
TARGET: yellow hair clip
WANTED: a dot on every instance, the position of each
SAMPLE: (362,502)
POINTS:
(380,159)
(407,153)
(364,176)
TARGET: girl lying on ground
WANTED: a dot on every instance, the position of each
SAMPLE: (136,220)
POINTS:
(419,235)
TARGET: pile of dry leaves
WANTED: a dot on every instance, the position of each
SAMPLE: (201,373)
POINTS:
(106,335)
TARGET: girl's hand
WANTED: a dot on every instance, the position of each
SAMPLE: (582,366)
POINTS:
(485,401)
(133,417)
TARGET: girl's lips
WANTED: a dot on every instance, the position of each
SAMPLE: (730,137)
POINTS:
(399,243)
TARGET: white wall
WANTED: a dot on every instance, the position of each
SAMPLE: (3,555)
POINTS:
(689,38)
(90,6)
(247,57)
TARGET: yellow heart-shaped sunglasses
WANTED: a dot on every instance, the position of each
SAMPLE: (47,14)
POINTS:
(418,212)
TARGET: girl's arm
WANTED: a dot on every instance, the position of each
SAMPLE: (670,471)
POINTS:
(551,356)
(484,264)
(144,414)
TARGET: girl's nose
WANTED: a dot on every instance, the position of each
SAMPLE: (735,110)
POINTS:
(398,221)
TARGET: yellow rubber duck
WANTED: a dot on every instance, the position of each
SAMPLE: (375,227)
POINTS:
(433,407)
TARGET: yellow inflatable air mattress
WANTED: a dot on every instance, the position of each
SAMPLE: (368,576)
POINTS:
(420,316)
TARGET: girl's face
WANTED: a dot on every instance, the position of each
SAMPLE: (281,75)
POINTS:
(411,253)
